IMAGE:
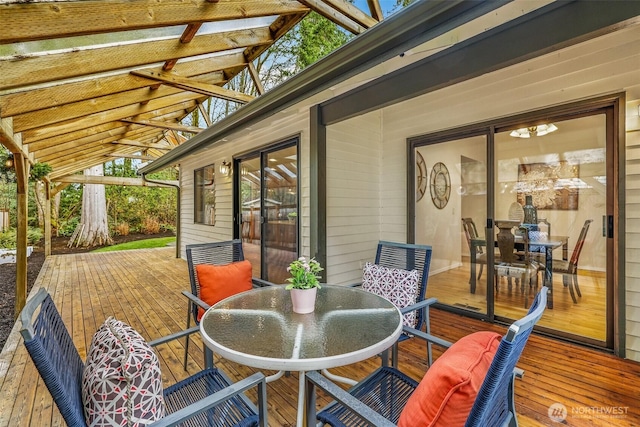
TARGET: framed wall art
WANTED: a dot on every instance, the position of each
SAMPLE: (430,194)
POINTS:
(553,186)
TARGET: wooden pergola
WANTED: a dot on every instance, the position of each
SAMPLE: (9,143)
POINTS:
(83,82)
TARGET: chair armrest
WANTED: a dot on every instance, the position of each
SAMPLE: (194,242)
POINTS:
(174,336)
(259,283)
(419,305)
(518,373)
(427,337)
(257,379)
(359,409)
(197,301)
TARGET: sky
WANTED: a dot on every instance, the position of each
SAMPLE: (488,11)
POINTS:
(386,5)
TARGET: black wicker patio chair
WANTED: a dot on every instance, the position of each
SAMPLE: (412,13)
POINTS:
(205,399)
(381,398)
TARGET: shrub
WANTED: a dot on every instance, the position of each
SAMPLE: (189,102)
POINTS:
(150,225)
(122,229)
(168,227)
(8,238)
(66,228)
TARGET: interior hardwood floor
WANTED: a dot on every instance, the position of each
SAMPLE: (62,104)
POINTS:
(585,318)
(142,288)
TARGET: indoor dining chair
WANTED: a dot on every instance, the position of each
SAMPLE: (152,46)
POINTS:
(569,269)
(207,398)
(471,233)
(471,383)
(518,266)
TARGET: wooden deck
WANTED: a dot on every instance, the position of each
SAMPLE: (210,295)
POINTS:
(143,287)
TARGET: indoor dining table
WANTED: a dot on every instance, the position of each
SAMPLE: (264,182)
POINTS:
(258,328)
(547,244)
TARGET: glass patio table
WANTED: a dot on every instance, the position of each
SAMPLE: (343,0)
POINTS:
(258,328)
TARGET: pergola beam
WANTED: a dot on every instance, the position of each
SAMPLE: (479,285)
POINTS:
(143,145)
(375,9)
(255,77)
(26,69)
(114,180)
(179,101)
(165,125)
(203,88)
(12,104)
(38,20)
(334,16)
(352,12)
(9,138)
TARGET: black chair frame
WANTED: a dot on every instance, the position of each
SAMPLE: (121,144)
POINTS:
(206,398)
(380,398)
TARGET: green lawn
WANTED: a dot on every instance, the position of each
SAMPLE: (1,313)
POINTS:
(139,244)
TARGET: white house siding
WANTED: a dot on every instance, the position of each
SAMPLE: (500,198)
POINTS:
(354,164)
(273,130)
(375,145)
(608,64)
(632,279)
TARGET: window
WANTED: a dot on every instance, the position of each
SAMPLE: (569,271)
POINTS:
(204,195)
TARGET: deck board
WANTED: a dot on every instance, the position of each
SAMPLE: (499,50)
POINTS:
(142,288)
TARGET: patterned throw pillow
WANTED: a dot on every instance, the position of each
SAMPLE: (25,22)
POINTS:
(397,285)
(121,382)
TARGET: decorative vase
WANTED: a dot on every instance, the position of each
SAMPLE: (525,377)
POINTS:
(506,240)
(530,211)
(303,300)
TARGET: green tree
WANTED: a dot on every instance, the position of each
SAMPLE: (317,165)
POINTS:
(313,38)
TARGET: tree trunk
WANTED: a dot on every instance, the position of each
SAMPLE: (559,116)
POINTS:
(55,213)
(41,199)
(95,230)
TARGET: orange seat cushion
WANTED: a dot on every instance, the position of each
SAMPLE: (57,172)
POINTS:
(218,282)
(446,393)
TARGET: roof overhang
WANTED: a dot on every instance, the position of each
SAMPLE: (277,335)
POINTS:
(418,23)
(413,26)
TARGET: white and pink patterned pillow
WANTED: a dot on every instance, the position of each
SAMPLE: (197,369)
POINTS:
(121,382)
(397,285)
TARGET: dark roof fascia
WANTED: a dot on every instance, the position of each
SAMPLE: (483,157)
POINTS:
(555,25)
(414,25)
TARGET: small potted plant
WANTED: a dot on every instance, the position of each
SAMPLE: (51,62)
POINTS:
(304,284)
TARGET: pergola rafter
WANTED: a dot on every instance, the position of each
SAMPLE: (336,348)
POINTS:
(89,81)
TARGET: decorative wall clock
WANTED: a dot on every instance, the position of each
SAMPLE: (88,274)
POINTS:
(421,176)
(440,185)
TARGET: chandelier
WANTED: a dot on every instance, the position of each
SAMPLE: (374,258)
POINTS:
(538,130)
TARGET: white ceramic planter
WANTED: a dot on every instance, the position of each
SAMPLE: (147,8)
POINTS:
(303,300)
(8,256)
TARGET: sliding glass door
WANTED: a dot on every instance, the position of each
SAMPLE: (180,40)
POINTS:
(480,198)
(560,179)
(268,209)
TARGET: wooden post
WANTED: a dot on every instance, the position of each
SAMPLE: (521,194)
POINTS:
(47,219)
(22,175)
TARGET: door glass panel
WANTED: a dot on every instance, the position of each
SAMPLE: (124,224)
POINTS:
(563,175)
(250,203)
(280,208)
(269,212)
(457,276)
